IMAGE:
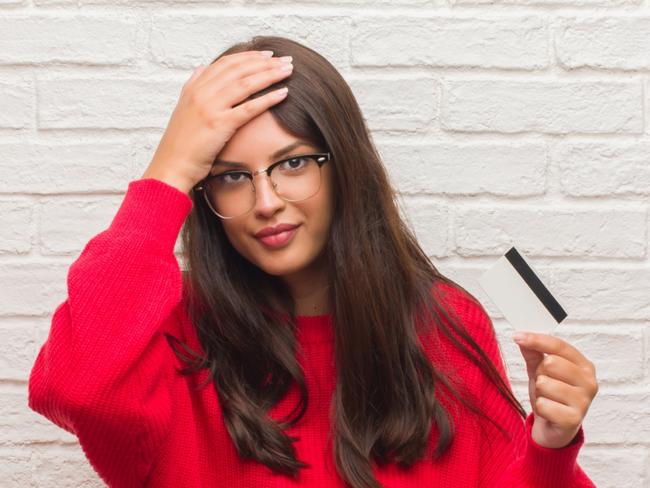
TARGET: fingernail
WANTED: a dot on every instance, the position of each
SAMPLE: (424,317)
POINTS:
(281,92)
(519,337)
(266,54)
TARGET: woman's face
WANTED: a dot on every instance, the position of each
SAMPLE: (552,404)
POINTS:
(253,144)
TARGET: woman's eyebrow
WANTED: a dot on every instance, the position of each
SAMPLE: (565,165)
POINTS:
(275,155)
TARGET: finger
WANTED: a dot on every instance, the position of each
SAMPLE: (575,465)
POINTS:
(533,359)
(225,63)
(561,392)
(243,89)
(563,370)
(252,108)
(558,413)
(226,77)
(553,345)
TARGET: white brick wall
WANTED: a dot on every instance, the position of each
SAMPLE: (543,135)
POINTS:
(501,122)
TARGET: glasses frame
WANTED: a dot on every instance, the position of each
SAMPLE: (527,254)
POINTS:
(321,158)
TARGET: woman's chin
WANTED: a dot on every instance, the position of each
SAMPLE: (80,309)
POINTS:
(275,268)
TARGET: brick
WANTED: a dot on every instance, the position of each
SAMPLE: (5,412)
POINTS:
(542,3)
(647,354)
(58,38)
(612,42)
(611,468)
(21,425)
(560,231)
(551,107)
(616,418)
(22,338)
(467,168)
(414,40)
(106,103)
(430,222)
(607,169)
(143,149)
(31,287)
(364,3)
(66,224)
(63,466)
(647,103)
(17,226)
(18,103)
(603,292)
(411,107)
(125,3)
(36,166)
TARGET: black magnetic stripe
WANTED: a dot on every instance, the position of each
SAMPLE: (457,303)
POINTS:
(534,283)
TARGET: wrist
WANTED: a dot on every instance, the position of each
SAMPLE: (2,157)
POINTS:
(552,439)
(177,181)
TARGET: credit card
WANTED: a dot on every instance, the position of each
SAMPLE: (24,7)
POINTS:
(516,290)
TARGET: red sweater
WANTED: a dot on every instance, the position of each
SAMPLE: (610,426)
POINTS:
(107,375)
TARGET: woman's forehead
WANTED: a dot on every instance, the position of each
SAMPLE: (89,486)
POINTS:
(293,146)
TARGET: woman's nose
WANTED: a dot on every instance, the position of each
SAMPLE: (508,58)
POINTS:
(267,201)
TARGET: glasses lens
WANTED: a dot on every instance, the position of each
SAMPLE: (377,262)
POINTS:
(297,178)
(230,194)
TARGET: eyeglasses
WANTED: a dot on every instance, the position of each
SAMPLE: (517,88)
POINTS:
(231,194)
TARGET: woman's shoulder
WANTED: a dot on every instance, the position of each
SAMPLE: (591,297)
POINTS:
(468,314)
(459,301)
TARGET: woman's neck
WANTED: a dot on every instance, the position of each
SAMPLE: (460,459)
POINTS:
(314,302)
(310,289)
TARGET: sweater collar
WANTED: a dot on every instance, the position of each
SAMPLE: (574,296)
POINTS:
(314,328)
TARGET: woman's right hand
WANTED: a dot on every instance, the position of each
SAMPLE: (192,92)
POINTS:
(204,118)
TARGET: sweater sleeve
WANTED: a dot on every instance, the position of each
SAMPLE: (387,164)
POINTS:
(103,373)
(518,462)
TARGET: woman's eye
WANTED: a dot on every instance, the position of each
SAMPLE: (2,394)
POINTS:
(231,177)
(294,163)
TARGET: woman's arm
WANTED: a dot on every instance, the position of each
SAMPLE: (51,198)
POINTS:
(104,371)
(519,462)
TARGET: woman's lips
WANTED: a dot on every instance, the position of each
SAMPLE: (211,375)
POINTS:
(278,240)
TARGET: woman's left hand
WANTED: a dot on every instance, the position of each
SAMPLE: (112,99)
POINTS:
(561,385)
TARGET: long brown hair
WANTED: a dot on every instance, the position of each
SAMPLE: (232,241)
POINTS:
(380,280)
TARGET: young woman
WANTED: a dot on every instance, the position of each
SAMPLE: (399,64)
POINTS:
(310,342)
